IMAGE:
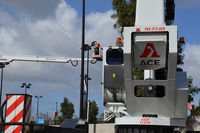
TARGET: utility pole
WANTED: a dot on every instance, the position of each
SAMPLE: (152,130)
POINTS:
(2,65)
(81,116)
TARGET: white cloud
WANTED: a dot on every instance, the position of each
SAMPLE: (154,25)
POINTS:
(100,28)
(192,62)
(59,34)
(8,36)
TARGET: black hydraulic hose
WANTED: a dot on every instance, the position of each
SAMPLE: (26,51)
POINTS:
(74,63)
(93,61)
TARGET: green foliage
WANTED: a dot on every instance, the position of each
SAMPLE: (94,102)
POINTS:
(196,112)
(67,110)
(180,57)
(193,90)
(93,112)
(125,13)
(138,74)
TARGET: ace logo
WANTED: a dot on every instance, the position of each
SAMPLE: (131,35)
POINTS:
(148,50)
(151,53)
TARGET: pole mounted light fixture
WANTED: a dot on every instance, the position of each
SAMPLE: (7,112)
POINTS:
(38,96)
(26,86)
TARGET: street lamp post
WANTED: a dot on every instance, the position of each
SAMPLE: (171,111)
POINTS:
(2,65)
(38,101)
(26,86)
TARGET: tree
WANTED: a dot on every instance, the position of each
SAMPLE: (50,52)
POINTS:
(180,57)
(196,112)
(67,110)
(193,90)
(125,13)
(93,112)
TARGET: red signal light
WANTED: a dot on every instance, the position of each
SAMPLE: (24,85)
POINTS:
(97,45)
(181,40)
(191,107)
(119,40)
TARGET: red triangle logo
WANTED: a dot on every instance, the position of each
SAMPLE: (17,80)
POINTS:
(150,49)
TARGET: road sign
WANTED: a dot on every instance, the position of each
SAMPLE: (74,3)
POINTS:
(40,121)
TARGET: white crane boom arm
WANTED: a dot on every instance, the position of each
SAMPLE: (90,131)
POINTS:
(8,59)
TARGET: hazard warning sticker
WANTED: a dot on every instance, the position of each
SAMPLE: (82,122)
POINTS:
(145,121)
(150,55)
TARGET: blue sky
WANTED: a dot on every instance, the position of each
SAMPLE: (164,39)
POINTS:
(187,20)
(91,5)
(53,28)
(186,15)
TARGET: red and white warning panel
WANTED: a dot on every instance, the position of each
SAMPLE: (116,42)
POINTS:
(18,111)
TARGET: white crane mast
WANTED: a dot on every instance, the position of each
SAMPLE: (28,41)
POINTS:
(150,13)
